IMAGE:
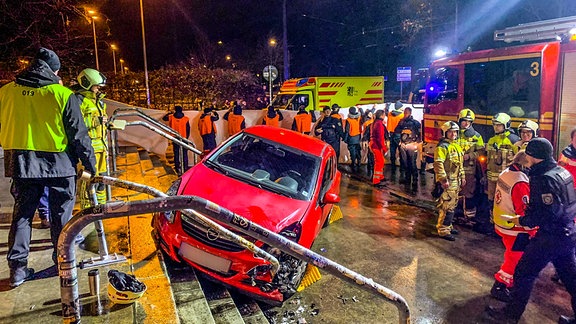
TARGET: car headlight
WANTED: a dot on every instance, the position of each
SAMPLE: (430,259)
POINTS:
(172,191)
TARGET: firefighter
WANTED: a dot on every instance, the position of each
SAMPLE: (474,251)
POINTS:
(378,136)
(329,128)
(236,122)
(94,113)
(409,130)
(207,129)
(272,117)
(552,208)
(472,145)
(511,198)
(43,136)
(181,124)
(366,128)
(303,121)
(449,172)
(527,130)
(500,151)
(394,116)
(352,136)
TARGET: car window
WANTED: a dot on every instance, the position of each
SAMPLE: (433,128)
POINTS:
(268,165)
(328,175)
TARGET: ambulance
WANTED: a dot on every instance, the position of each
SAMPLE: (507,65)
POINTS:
(317,92)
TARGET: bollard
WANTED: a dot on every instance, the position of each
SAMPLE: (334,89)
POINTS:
(94,282)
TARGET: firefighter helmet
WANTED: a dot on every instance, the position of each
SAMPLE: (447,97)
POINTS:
(449,125)
(90,77)
(529,125)
(501,118)
(466,114)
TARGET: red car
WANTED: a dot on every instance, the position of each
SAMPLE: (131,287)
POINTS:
(282,180)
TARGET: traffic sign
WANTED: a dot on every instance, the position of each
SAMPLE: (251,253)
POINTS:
(270,70)
(404,73)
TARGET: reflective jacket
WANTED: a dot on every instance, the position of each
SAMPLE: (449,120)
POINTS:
(511,198)
(94,113)
(500,151)
(352,133)
(303,122)
(394,117)
(42,131)
(272,118)
(552,200)
(448,159)
(472,144)
(206,123)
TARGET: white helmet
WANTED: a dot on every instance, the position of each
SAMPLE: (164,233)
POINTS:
(90,77)
(501,118)
(529,125)
(449,125)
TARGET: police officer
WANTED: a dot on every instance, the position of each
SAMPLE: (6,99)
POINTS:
(552,208)
(500,151)
(472,145)
(43,136)
(352,136)
(94,112)
(207,129)
(329,128)
(527,130)
(449,172)
(410,135)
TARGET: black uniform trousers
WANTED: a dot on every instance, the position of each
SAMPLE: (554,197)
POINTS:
(27,193)
(541,250)
(336,146)
(355,155)
(395,148)
(209,141)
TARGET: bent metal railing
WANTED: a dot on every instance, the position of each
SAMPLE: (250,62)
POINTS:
(67,258)
(152,124)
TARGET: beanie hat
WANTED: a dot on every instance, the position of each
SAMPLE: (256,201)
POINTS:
(208,110)
(540,148)
(49,57)
(352,111)
(178,108)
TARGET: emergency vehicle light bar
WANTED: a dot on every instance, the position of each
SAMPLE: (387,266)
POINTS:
(536,31)
(305,82)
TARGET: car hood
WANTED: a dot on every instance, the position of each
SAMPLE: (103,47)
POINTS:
(268,209)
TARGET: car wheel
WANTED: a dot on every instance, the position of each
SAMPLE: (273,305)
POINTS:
(290,275)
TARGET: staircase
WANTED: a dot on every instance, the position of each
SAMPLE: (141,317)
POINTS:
(193,298)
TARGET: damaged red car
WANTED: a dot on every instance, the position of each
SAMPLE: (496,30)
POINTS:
(282,180)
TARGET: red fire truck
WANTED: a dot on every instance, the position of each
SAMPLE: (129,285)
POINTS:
(533,81)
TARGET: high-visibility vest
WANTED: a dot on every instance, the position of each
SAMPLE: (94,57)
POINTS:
(178,124)
(93,112)
(234,123)
(354,126)
(393,121)
(206,126)
(503,204)
(303,123)
(272,121)
(31,118)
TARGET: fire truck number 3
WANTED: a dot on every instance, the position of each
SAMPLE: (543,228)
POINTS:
(535,69)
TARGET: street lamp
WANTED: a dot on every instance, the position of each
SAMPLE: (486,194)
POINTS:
(114,48)
(93,18)
(145,60)
(122,65)
(272,43)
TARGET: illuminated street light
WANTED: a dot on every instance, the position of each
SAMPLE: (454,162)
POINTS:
(114,48)
(220,43)
(228,57)
(93,18)
(122,65)
(272,43)
(145,59)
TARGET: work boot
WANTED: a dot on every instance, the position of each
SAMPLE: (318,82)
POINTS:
(454,231)
(448,237)
(566,320)
(498,315)
(19,272)
(500,292)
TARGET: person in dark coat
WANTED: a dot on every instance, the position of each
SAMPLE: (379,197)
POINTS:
(329,128)
(352,136)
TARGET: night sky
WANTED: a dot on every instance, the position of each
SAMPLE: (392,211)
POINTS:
(318,30)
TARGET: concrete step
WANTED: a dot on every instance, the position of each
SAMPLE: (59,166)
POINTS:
(221,303)
(249,309)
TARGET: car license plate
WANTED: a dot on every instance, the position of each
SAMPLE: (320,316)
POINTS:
(204,258)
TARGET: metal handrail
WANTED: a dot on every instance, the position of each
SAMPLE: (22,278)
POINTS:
(67,263)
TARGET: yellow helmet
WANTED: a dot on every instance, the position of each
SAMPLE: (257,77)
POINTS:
(449,125)
(466,114)
(501,118)
(529,125)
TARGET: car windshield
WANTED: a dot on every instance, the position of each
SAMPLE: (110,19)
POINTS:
(268,165)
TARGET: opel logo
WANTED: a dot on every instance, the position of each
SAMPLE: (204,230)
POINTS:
(212,235)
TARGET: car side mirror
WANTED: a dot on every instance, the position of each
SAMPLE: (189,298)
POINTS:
(330,198)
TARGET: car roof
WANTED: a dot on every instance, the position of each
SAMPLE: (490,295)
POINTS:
(289,138)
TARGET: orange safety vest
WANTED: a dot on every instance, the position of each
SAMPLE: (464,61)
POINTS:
(206,126)
(234,124)
(272,121)
(354,126)
(393,121)
(178,124)
(303,123)
(366,125)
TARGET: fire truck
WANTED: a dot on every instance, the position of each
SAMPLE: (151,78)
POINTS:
(317,92)
(535,80)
